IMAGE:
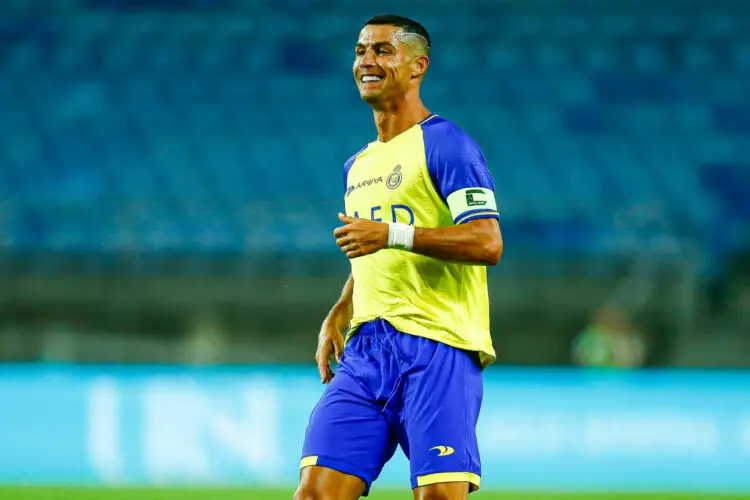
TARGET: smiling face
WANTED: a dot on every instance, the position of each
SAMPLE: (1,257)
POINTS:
(388,62)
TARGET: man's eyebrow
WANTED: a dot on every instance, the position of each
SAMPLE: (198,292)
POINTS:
(374,44)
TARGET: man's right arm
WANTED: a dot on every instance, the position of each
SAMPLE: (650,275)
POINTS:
(343,310)
(330,338)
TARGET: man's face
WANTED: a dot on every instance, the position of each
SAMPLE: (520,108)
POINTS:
(383,63)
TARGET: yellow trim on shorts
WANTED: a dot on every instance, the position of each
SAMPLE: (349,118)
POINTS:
(449,477)
(308,461)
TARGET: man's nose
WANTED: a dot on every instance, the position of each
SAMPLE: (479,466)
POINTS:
(368,58)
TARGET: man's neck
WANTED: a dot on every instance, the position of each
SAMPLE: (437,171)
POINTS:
(398,118)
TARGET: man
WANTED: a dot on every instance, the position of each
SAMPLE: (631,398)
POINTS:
(421,226)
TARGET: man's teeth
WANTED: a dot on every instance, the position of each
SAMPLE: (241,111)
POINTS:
(371,78)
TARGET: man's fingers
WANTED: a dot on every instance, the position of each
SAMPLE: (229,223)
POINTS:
(338,348)
(323,371)
(344,240)
(355,250)
(325,375)
(348,247)
(324,353)
(346,219)
(339,232)
(342,230)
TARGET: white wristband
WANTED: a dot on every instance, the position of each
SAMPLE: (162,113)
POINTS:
(400,236)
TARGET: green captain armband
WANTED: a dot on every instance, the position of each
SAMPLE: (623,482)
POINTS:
(469,203)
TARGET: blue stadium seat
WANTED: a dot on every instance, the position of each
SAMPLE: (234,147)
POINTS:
(197,120)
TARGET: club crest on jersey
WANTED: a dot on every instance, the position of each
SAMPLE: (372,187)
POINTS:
(394,180)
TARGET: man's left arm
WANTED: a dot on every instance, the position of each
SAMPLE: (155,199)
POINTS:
(476,242)
(460,176)
(459,172)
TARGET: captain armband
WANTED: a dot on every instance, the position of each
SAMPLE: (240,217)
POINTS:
(472,203)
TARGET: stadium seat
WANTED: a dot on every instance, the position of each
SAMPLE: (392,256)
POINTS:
(232,114)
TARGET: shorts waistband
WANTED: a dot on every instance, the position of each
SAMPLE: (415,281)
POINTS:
(375,327)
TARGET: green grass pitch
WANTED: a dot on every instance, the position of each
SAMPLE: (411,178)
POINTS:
(257,494)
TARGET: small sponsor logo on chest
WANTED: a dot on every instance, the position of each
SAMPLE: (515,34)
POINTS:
(363,184)
(392,181)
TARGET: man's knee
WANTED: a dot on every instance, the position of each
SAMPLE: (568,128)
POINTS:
(312,488)
(307,491)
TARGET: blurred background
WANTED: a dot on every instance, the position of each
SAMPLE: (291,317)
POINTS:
(169,182)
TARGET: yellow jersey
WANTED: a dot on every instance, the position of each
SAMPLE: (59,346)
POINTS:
(432,175)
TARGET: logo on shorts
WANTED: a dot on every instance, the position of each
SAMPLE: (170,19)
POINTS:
(473,202)
(443,451)
(394,180)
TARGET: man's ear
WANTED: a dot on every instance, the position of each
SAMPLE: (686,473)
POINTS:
(419,66)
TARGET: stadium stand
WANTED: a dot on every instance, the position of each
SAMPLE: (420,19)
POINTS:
(220,127)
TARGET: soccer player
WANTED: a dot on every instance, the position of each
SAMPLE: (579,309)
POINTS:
(421,226)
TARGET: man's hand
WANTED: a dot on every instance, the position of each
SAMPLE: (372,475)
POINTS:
(330,338)
(330,343)
(360,237)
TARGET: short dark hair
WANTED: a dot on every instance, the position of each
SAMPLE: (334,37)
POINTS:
(406,24)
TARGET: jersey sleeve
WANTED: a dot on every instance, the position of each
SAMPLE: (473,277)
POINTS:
(348,166)
(460,175)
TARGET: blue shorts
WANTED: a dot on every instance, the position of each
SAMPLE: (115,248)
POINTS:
(396,389)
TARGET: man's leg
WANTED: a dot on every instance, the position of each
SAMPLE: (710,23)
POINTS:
(443,491)
(322,483)
(442,400)
(347,443)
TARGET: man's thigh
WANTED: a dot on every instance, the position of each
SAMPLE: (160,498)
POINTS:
(442,401)
(449,491)
(321,482)
(348,433)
